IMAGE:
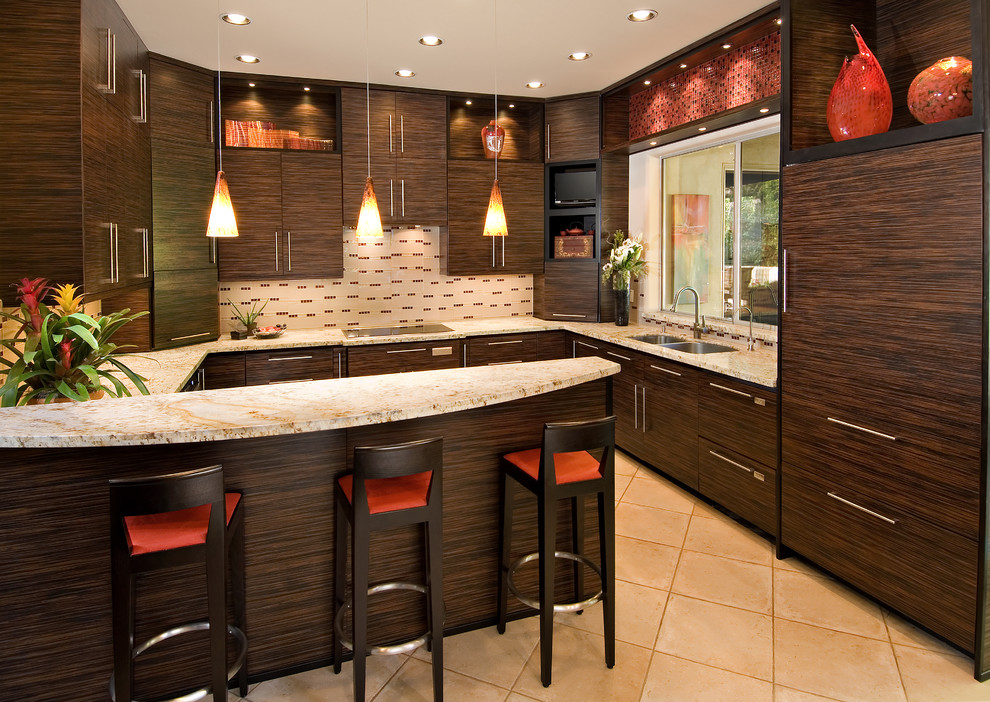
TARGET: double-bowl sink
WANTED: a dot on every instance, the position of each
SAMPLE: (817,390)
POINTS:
(676,343)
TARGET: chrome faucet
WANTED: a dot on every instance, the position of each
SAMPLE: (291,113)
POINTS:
(751,343)
(697,309)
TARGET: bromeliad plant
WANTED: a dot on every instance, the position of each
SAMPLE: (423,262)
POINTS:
(59,351)
(625,260)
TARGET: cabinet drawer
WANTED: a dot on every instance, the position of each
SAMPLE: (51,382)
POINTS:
(506,348)
(739,484)
(290,365)
(630,361)
(739,417)
(886,467)
(399,358)
(921,570)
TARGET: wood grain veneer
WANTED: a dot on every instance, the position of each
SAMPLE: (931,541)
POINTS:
(185,305)
(290,365)
(255,181)
(669,415)
(523,127)
(57,590)
(552,345)
(567,290)
(313,113)
(739,416)
(224,370)
(399,358)
(184,177)
(312,216)
(504,348)
(751,494)
(572,126)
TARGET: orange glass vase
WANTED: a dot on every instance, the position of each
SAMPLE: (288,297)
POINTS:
(942,91)
(860,103)
(492,139)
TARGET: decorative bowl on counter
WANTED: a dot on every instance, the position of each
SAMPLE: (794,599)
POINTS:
(269,332)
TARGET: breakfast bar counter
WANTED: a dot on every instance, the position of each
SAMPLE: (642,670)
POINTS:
(283,447)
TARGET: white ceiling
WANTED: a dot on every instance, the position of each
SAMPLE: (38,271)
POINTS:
(327,38)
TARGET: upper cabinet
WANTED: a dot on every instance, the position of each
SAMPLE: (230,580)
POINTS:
(906,38)
(572,131)
(407,140)
(263,112)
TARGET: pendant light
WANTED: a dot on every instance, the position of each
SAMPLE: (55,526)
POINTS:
(369,220)
(222,222)
(495,225)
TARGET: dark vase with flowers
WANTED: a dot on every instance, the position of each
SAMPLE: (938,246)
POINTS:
(621,307)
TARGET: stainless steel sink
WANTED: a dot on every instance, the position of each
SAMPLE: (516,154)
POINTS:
(658,339)
(699,347)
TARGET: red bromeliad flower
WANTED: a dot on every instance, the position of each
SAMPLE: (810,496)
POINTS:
(65,354)
(31,293)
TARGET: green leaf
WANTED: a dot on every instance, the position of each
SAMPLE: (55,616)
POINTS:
(63,387)
(84,334)
(132,376)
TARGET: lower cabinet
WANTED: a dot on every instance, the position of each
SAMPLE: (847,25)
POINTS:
(551,345)
(222,370)
(185,304)
(293,365)
(739,484)
(502,349)
(379,359)
(670,418)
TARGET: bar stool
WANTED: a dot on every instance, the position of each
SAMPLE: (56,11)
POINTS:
(563,468)
(171,520)
(391,486)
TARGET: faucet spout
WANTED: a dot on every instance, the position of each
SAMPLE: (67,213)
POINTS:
(697,309)
(751,343)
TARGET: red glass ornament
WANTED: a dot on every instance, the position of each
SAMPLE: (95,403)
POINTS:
(860,103)
(942,91)
(492,139)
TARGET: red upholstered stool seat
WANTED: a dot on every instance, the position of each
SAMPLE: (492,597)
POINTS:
(148,533)
(570,467)
(390,494)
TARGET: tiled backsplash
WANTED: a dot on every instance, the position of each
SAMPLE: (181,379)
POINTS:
(394,280)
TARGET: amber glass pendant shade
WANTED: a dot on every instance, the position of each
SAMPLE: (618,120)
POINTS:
(495,219)
(222,222)
(369,221)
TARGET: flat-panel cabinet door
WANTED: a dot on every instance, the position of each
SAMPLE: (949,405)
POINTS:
(422,191)
(185,307)
(670,417)
(184,176)
(572,129)
(312,216)
(422,127)
(255,181)
(181,103)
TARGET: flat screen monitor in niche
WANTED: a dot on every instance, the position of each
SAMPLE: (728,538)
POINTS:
(575,188)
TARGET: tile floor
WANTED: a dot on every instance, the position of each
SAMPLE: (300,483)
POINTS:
(704,613)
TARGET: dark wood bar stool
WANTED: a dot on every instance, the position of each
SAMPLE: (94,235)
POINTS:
(167,521)
(562,468)
(391,486)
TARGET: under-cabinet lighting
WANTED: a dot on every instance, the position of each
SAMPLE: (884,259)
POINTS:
(764,110)
(235,18)
(653,143)
(430,40)
(683,65)
(702,129)
(251,85)
(247,58)
(726,45)
(641,15)
(467,102)
(511,106)
(646,82)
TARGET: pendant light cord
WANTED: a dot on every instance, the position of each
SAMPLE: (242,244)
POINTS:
(367,76)
(220,135)
(495,62)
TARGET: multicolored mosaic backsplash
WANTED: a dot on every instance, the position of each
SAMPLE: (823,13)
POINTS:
(745,74)
(394,280)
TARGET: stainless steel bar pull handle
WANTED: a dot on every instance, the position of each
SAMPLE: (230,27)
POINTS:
(548,141)
(288,358)
(503,343)
(340,364)
(288,251)
(503,363)
(859,428)
(113,278)
(213,250)
(144,246)
(402,134)
(142,116)
(283,382)
(624,358)
(575,316)
(581,343)
(405,350)
(276,251)
(391,199)
(665,370)
(734,392)
(390,133)
(635,406)
(731,462)
(110,87)
(861,508)
(213,137)
(783,282)
(403,194)
(190,336)
(644,408)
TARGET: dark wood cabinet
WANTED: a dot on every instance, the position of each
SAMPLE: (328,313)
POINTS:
(292,365)
(740,484)
(627,399)
(185,305)
(552,345)
(288,215)
(882,418)
(572,129)
(223,370)
(739,416)
(670,418)
(408,149)
(502,349)
(464,249)
(401,358)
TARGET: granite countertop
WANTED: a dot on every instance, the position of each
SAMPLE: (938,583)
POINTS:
(272,410)
(168,370)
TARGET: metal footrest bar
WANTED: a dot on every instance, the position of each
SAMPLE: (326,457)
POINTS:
(406,647)
(563,607)
(186,629)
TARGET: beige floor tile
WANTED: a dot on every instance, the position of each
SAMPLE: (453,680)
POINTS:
(903,632)
(414,683)
(835,664)
(621,483)
(516,697)
(488,656)
(638,611)
(717,635)
(625,464)
(725,581)
(946,676)
(579,671)
(656,492)
(321,684)
(786,694)
(649,524)
(677,680)
(719,537)
(703,509)
(798,564)
(826,603)
(645,563)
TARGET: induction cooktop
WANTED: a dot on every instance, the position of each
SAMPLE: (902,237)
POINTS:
(396,331)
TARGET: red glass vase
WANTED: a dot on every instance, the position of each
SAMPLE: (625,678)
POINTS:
(942,91)
(860,103)
(492,139)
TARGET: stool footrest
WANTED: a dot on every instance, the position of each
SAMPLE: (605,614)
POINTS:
(563,607)
(186,629)
(405,647)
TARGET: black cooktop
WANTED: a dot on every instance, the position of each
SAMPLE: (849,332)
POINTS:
(396,331)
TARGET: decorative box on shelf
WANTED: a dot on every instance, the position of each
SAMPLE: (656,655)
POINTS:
(574,246)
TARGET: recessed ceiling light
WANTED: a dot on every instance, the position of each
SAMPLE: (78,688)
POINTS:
(641,15)
(467,102)
(430,40)
(235,18)
(534,84)
(511,105)
(779,20)
(247,58)
(683,65)
(405,73)
(726,45)
(646,82)
(579,56)
(306,88)
(764,110)
(702,129)
(250,85)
